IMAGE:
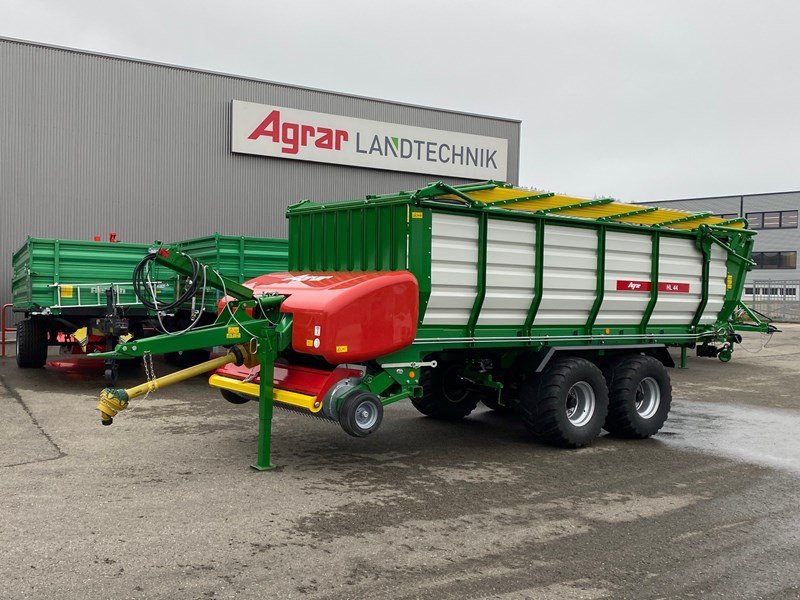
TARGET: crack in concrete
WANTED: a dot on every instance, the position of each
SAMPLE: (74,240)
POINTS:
(15,395)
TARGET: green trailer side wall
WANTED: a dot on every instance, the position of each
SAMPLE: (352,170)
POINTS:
(238,257)
(394,233)
(365,238)
(41,263)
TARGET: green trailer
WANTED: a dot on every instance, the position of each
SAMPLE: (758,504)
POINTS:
(79,294)
(557,309)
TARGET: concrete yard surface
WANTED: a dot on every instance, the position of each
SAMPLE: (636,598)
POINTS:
(163,503)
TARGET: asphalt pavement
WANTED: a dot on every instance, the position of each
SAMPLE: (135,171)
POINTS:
(163,503)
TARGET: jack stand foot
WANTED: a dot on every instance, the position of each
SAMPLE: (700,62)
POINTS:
(258,467)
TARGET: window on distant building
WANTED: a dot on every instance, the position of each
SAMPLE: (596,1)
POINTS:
(775,260)
(775,219)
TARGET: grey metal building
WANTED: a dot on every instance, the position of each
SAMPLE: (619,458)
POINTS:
(774,283)
(91,143)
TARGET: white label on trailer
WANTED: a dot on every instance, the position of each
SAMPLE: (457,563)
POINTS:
(282,132)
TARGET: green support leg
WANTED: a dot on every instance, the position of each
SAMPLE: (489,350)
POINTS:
(267,360)
(683,357)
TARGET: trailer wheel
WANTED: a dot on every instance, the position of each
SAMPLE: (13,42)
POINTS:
(566,404)
(31,344)
(361,413)
(444,395)
(233,397)
(640,397)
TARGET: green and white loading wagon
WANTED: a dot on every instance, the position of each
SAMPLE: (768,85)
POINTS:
(560,309)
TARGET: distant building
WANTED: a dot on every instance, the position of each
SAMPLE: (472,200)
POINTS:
(775,217)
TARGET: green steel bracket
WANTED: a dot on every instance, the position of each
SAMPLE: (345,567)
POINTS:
(176,260)
(220,334)
(587,204)
(538,279)
(758,325)
(378,383)
(409,393)
(731,222)
(601,279)
(630,213)
(439,188)
(501,203)
(705,248)
(651,305)
(707,231)
(694,217)
(267,352)
(481,266)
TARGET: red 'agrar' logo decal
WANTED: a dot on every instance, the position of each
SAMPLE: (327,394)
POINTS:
(626,285)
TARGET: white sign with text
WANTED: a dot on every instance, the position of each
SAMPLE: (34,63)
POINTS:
(320,137)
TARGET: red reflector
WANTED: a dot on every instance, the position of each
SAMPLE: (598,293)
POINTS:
(163,252)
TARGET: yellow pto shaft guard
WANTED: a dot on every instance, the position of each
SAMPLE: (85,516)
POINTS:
(114,400)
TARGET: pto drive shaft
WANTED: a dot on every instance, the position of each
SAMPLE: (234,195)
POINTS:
(114,400)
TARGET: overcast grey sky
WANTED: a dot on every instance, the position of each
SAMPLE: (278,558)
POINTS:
(636,99)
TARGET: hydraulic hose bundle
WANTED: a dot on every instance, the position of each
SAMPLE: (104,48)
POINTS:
(145,289)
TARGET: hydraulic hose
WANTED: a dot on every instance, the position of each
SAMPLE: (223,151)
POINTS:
(142,286)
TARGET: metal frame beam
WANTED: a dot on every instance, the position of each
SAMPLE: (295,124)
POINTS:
(630,213)
(587,204)
(686,219)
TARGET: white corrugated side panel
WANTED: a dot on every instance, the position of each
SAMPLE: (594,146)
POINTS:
(510,256)
(570,276)
(718,271)
(454,269)
(628,258)
(680,261)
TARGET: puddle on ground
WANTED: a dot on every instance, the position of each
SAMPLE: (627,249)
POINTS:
(764,436)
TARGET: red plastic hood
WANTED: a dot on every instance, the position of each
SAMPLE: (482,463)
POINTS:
(347,316)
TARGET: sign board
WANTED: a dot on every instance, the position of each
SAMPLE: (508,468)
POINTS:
(320,137)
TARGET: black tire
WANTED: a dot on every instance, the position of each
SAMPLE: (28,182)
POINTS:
(443,395)
(361,413)
(566,404)
(31,344)
(235,397)
(187,358)
(640,397)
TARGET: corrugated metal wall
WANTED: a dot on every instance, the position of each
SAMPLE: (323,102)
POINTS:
(91,144)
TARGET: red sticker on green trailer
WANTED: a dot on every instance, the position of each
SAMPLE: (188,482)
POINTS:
(627,285)
(672,287)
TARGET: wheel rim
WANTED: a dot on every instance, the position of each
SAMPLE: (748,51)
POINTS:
(580,403)
(366,415)
(648,397)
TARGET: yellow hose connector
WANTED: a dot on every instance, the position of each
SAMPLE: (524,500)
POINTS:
(111,402)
